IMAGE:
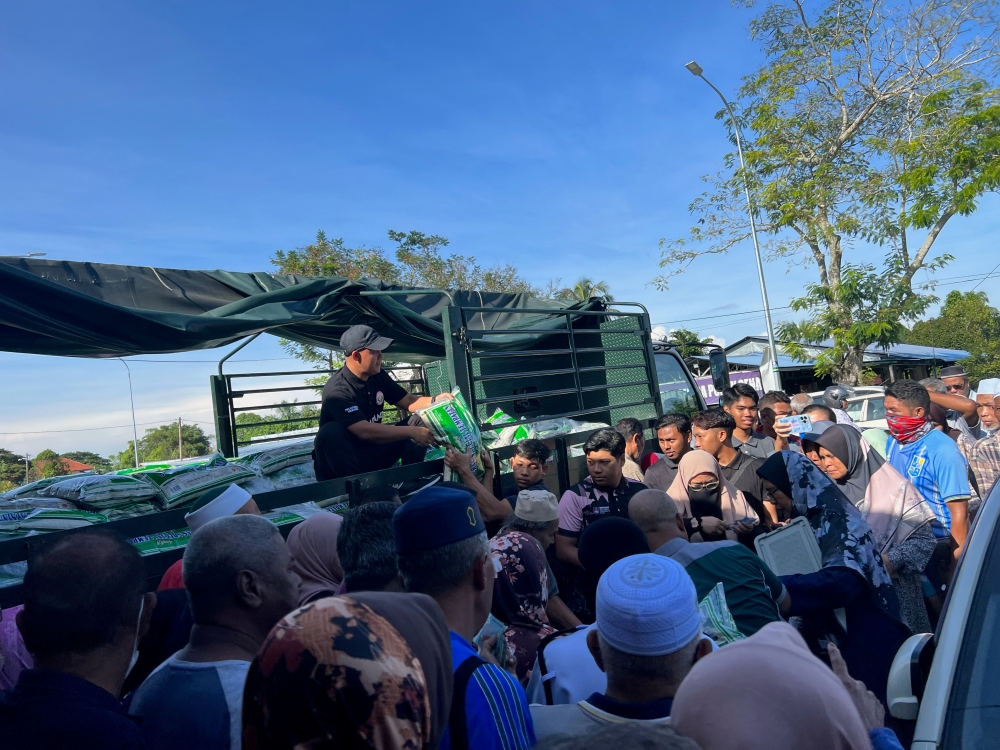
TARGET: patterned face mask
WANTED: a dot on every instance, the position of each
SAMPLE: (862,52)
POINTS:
(904,429)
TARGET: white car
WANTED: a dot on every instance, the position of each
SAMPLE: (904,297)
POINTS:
(866,407)
(949,681)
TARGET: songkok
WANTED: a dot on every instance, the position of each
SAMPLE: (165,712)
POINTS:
(647,606)
(817,429)
(536,505)
(216,503)
(435,517)
(955,371)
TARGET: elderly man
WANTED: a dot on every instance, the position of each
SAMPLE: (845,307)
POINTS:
(84,613)
(984,456)
(351,437)
(647,638)
(960,411)
(754,595)
(956,380)
(442,551)
(238,574)
(800,401)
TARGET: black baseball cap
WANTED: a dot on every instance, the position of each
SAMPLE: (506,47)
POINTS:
(955,371)
(357,338)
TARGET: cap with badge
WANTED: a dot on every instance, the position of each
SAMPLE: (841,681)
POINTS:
(218,502)
(647,606)
(435,517)
(536,505)
(356,338)
(953,371)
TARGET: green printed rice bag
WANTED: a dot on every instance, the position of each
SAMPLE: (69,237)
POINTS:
(52,519)
(163,541)
(453,423)
(30,503)
(292,513)
(33,488)
(10,522)
(270,460)
(183,484)
(100,491)
(130,510)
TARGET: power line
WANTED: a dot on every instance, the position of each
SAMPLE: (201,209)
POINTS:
(724,315)
(986,276)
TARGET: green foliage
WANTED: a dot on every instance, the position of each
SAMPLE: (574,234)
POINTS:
(11,468)
(584,289)
(869,123)
(688,343)
(869,377)
(250,424)
(966,321)
(866,308)
(48,464)
(100,463)
(160,444)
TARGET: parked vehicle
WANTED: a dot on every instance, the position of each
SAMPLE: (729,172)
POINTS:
(866,407)
(949,681)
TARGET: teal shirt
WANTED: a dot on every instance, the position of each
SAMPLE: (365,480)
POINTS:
(753,592)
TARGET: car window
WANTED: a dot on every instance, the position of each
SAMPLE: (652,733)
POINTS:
(876,408)
(973,718)
(676,390)
(856,410)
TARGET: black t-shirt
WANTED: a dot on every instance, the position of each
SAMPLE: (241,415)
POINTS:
(348,399)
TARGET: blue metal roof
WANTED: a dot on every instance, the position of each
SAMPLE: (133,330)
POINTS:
(874,355)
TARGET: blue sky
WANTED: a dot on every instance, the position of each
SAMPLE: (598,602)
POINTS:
(566,138)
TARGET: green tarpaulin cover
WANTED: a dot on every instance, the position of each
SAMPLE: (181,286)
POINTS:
(71,308)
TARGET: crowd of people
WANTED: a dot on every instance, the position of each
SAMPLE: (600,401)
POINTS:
(633,611)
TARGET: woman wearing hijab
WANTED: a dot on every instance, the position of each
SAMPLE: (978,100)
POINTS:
(365,671)
(718,703)
(853,576)
(902,522)
(313,547)
(709,504)
(520,595)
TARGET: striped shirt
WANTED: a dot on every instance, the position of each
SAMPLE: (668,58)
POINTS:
(496,709)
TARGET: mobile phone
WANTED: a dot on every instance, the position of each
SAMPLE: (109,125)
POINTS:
(799,423)
(748,521)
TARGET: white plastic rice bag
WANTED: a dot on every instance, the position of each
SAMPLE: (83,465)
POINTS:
(269,460)
(52,519)
(454,424)
(183,484)
(294,476)
(100,490)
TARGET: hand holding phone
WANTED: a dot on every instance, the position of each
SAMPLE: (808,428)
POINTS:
(798,423)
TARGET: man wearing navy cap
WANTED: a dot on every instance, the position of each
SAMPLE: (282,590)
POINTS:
(442,551)
(352,438)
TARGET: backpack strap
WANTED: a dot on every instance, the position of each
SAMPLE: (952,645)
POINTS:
(546,678)
(456,721)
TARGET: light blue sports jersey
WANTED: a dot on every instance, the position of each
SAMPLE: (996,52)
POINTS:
(936,467)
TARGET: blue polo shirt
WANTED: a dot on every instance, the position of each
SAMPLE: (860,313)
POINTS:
(936,467)
(496,709)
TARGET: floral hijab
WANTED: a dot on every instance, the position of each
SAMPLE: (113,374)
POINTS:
(520,594)
(844,536)
(367,671)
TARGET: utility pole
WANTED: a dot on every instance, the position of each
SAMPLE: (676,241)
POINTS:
(25,468)
(180,443)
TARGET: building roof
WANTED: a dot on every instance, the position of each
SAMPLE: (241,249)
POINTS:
(748,350)
(74,466)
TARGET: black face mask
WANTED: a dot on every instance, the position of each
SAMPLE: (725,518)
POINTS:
(705,502)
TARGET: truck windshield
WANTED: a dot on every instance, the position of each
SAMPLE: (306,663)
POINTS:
(677,391)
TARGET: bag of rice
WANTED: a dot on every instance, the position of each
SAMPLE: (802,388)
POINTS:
(130,510)
(267,461)
(30,503)
(163,541)
(294,476)
(716,620)
(100,490)
(292,513)
(34,488)
(51,519)
(258,485)
(183,484)
(10,522)
(453,423)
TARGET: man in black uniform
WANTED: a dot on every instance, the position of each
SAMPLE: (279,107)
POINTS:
(351,437)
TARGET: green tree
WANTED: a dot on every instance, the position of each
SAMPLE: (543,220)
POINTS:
(966,321)
(586,288)
(48,464)
(869,124)
(160,444)
(100,463)
(11,468)
(688,343)
(252,424)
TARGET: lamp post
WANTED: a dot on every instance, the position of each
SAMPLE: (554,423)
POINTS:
(696,70)
(135,433)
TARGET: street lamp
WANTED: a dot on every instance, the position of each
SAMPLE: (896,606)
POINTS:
(135,433)
(696,70)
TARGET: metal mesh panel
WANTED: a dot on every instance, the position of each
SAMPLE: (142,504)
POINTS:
(437,377)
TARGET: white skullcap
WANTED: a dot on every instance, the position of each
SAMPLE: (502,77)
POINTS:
(536,505)
(225,504)
(989,386)
(647,606)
